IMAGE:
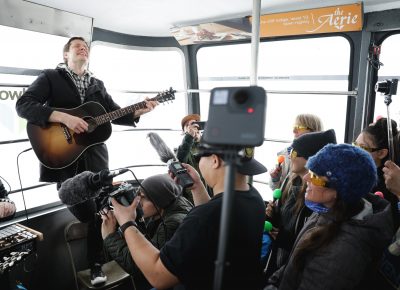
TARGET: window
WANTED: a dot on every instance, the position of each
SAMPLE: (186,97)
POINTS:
(32,51)
(134,69)
(315,64)
(391,69)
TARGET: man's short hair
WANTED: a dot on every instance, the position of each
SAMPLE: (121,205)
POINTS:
(68,45)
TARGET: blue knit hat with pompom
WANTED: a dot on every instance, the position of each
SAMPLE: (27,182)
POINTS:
(349,169)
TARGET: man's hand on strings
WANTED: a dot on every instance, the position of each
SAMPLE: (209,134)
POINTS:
(150,105)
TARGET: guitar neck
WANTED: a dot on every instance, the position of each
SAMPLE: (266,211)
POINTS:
(108,117)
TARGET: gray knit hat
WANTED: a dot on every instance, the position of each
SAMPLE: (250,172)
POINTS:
(161,190)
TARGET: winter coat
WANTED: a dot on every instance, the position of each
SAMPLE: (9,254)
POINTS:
(157,232)
(349,261)
(52,89)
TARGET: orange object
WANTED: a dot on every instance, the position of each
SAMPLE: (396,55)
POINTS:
(332,19)
(281,158)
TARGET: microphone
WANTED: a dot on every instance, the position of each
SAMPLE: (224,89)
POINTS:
(267,226)
(104,177)
(79,192)
(276,194)
(7,206)
(162,149)
(79,188)
(281,159)
(380,194)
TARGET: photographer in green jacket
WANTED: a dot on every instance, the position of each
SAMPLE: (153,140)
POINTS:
(163,208)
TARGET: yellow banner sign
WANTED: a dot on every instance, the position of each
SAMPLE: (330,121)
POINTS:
(313,21)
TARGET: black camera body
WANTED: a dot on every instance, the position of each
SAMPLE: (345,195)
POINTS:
(124,193)
(200,125)
(387,87)
(236,117)
(180,173)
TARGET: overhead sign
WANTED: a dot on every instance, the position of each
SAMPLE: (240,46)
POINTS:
(234,29)
(313,21)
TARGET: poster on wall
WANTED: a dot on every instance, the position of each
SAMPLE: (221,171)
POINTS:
(313,21)
(234,29)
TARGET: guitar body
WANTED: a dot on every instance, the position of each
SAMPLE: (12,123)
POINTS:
(57,147)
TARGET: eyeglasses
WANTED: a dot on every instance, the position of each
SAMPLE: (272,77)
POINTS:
(316,180)
(300,128)
(366,148)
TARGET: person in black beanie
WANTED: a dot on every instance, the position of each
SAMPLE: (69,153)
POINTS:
(289,214)
(164,209)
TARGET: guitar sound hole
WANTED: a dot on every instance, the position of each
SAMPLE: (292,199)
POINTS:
(92,124)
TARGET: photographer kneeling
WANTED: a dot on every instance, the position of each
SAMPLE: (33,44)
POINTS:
(189,257)
(164,209)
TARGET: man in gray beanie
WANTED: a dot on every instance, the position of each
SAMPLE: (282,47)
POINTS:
(164,209)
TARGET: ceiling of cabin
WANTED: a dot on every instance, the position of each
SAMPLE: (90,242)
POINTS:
(155,17)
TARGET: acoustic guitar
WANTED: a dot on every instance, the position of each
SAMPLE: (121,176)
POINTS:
(57,146)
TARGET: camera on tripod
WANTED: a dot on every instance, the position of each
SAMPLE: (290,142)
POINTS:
(387,87)
(236,117)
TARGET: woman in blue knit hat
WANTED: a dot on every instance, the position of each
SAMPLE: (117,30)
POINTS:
(289,214)
(340,244)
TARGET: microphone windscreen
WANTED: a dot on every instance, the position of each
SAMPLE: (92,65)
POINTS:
(277,193)
(267,226)
(77,189)
(84,211)
(281,158)
(162,149)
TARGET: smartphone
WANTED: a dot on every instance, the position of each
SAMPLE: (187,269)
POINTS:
(200,124)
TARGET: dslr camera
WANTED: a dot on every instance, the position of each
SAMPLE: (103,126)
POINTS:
(124,193)
(387,87)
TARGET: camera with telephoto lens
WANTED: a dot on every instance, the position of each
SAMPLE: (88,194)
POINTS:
(180,173)
(387,87)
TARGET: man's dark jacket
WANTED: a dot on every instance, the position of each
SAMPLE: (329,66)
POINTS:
(55,89)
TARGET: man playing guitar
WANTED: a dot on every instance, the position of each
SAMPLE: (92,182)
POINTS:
(68,86)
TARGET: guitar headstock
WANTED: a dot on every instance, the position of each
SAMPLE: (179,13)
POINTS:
(165,96)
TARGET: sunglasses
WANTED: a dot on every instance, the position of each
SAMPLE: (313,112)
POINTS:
(366,148)
(198,156)
(300,128)
(318,181)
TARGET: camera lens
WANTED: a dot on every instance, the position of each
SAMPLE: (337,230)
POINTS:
(241,96)
(382,87)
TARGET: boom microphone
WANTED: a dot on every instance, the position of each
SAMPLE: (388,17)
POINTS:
(78,189)
(162,149)
(79,192)
(104,177)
